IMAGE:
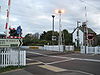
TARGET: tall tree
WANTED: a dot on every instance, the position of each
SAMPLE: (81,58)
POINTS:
(28,39)
(67,37)
(48,36)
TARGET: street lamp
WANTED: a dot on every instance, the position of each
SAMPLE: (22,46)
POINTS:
(60,27)
(53,28)
(53,22)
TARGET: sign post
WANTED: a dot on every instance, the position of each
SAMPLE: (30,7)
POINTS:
(19,32)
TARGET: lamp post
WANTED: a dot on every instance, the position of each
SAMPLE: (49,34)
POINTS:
(60,27)
(53,16)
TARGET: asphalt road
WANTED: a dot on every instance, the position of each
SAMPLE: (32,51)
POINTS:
(41,62)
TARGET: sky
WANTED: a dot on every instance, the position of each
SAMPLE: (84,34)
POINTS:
(35,15)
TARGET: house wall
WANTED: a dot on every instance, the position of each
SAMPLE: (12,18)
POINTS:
(80,37)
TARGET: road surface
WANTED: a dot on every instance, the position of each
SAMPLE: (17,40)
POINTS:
(41,62)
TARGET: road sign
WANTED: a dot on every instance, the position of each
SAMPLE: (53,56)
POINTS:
(20,40)
(19,30)
(90,36)
(9,43)
(54,38)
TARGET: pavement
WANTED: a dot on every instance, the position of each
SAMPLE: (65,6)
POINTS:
(42,62)
(17,72)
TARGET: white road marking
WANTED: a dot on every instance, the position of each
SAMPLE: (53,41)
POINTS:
(57,69)
(34,63)
(67,59)
(52,68)
(55,62)
(81,72)
(90,60)
(36,53)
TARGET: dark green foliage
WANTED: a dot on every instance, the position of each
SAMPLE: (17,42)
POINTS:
(29,40)
(46,38)
(67,37)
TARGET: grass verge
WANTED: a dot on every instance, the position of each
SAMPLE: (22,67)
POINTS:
(9,68)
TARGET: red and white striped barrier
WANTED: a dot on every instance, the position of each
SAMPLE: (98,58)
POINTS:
(7,20)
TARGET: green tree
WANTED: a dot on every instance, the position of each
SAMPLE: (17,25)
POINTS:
(28,39)
(48,36)
(42,36)
(67,37)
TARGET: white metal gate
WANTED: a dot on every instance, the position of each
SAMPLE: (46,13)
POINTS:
(9,57)
(94,50)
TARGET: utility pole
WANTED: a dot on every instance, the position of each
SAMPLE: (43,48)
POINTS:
(78,34)
(86,31)
(85,36)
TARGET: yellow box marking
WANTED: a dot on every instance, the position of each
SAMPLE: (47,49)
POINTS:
(34,47)
(29,59)
(34,63)
(52,68)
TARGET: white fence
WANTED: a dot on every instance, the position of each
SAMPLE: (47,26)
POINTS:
(94,50)
(69,48)
(52,47)
(12,58)
(59,48)
(27,47)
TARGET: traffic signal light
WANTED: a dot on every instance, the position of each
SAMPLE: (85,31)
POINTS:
(90,36)
(13,32)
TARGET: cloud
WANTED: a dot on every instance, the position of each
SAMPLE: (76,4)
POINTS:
(35,15)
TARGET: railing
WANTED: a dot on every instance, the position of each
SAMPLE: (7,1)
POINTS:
(94,50)
(11,57)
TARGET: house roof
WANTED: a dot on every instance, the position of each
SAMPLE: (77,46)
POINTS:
(89,29)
